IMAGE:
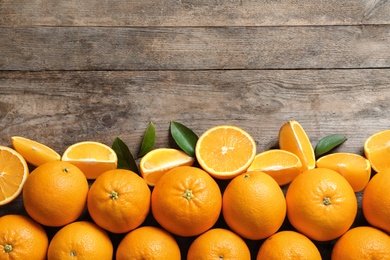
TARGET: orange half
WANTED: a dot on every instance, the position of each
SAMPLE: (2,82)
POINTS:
(377,150)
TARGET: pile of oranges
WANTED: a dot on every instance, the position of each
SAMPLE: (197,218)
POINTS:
(227,180)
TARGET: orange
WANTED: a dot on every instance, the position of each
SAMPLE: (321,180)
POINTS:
(281,165)
(355,168)
(80,240)
(186,201)
(321,204)
(148,242)
(93,158)
(22,238)
(376,201)
(362,242)
(119,200)
(377,150)
(33,152)
(13,174)
(225,151)
(55,193)
(158,161)
(254,205)
(288,245)
(218,243)
(293,138)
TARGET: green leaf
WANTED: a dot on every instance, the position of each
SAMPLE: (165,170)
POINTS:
(125,158)
(184,137)
(328,143)
(148,140)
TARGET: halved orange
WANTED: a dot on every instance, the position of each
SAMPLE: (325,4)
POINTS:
(377,150)
(92,158)
(158,161)
(293,138)
(13,174)
(225,151)
(355,168)
(33,152)
(281,165)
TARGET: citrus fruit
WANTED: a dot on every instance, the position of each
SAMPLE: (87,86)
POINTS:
(321,204)
(13,174)
(22,238)
(148,242)
(288,245)
(158,161)
(293,138)
(355,168)
(225,151)
(186,201)
(377,150)
(55,193)
(281,165)
(119,200)
(254,205)
(362,242)
(33,152)
(218,243)
(80,240)
(93,158)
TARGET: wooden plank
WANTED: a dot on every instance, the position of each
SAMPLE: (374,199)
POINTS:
(195,48)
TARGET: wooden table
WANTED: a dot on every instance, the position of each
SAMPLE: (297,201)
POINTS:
(95,70)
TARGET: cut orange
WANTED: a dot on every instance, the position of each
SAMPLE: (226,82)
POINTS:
(33,152)
(293,138)
(377,150)
(355,168)
(225,151)
(281,165)
(13,174)
(158,161)
(92,158)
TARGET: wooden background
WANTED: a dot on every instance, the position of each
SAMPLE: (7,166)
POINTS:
(94,70)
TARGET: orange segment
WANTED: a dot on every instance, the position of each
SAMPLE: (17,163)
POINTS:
(281,165)
(93,158)
(33,152)
(225,151)
(293,138)
(355,168)
(13,174)
(377,150)
(158,161)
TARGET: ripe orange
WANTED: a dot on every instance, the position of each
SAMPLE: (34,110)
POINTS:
(119,200)
(80,240)
(158,161)
(22,238)
(55,193)
(281,165)
(93,158)
(13,174)
(321,204)
(218,243)
(355,168)
(363,242)
(288,245)
(148,242)
(293,138)
(376,150)
(186,201)
(225,151)
(254,205)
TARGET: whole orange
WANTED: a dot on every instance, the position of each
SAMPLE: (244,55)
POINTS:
(148,242)
(22,238)
(186,201)
(119,200)
(321,204)
(55,193)
(254,205)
